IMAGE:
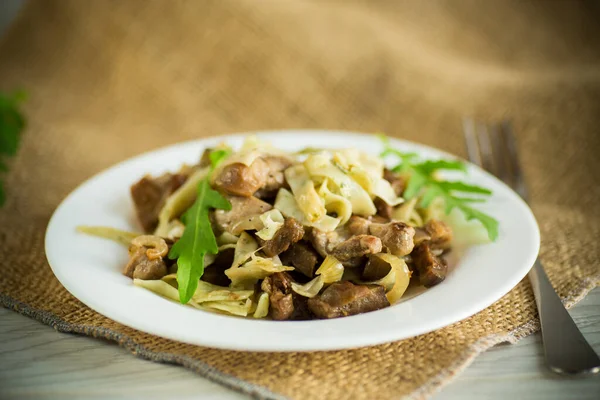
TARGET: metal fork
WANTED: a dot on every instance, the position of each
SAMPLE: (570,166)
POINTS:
(567,352)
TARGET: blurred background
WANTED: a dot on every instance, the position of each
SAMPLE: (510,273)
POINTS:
(112,79)
(8,11)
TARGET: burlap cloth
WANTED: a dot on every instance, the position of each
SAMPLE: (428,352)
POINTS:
(111,79)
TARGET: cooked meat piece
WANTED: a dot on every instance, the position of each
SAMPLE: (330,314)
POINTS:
(378,219)
(398,183)
(284,303)
(281,301)
(291,232)
(421,236)
(141,267)
(396,236)
(215,272)
(432,269)
(241,216)
(323,242)
(383,209)
(149,195)
(440,234)
(302,257)
(358,225)
(345,298)
(349,250)
(376,268)
(356,247)
(275,177)
(205,159)
(241,180)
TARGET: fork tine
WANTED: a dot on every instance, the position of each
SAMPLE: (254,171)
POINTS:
(513,159)
(485,149)
(500,156)
(471,141)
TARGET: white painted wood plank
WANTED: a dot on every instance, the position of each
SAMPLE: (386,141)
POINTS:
(38,362)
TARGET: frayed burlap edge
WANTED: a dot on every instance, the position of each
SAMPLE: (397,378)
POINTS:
(434,385)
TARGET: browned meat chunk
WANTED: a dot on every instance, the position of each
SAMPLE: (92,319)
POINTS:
(215,272)
(323,242)
(440,234)
(302,257)
(275,178)
(376,268)
(205,159)
(291,232)
(358,225)
(279,288)
(141,267)
(396,236)
(149,195)
(284,303)
(421,236)
(241,180)
(398,183)
(352,251)
(345,298)
(432,269)
(383,209)
(244,211)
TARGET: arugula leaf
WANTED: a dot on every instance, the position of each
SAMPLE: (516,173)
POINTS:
(430,166)
(217,156)
(12,124)
(422,182)
(198,239)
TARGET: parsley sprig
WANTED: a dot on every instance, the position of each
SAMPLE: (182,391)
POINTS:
(12,124)
(198,238)
(423,182)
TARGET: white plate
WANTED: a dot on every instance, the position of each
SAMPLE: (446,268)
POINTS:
(90,268)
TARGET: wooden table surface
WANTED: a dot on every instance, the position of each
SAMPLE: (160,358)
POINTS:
(38,362)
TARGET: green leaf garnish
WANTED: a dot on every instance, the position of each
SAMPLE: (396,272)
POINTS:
(12,124)
(198,239)
(423,182)
(217,156)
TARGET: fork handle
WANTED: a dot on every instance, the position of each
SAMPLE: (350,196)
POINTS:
(566,350)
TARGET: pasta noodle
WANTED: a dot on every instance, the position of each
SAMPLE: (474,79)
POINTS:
(334,203)
(286,203)
(320,166)
(179,201)
(306,196)
(262,306)
(272,220)
(118,235)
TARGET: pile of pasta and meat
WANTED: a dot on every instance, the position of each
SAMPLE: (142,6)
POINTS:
(264,233)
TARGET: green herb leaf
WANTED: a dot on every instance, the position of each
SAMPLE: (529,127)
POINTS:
(429,167)
(463,187)
(198,239)
(422,182)
(217,156)
(11,126)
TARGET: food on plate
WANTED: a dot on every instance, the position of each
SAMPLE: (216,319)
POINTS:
(319,233)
